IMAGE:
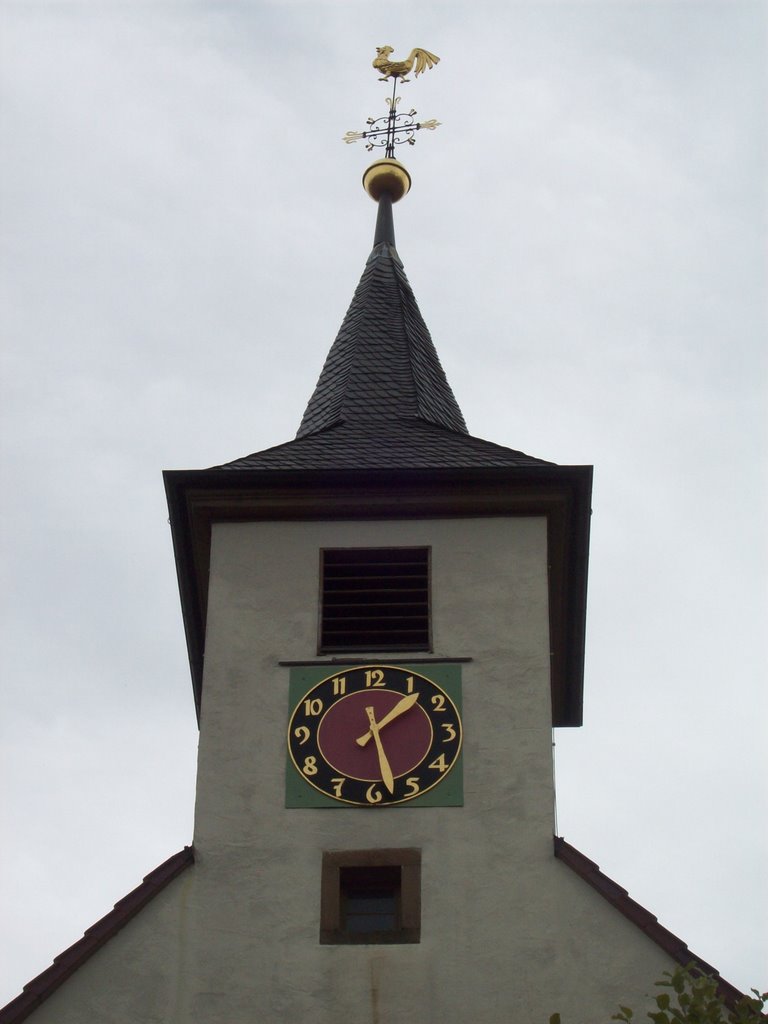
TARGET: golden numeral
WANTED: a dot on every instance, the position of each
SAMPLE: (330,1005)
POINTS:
(409,684)
(373,795)
(374,677)
(310,765)
(313,707)
(450,730)
(438,702)
(339,686)
(413,784)
(337,784)
(439,764)
(302,734)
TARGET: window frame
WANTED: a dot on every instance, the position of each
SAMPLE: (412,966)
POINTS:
(332,924)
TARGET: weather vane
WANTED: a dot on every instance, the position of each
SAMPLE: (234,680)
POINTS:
(394,128)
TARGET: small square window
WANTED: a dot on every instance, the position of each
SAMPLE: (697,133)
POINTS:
(371,896)
(375,599)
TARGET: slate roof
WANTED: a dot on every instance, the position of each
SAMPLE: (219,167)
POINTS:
(382,400)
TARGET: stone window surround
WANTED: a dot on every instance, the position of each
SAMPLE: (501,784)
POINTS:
(332,931)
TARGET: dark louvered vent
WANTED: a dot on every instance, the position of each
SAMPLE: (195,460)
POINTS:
(375,599)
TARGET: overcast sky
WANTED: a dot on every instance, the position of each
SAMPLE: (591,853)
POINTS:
(182,232)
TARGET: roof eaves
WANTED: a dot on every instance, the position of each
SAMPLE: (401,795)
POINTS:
(199,498)
(421,443)
(619,898)
(66,963)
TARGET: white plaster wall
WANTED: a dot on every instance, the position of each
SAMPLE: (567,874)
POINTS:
(508,932)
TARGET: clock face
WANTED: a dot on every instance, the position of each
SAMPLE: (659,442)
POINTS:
(374,735)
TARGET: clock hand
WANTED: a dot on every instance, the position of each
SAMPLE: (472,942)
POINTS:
(386,771)
(397,710)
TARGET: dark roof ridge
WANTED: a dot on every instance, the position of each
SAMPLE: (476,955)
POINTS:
(425,361)
(66,963)
(619,898)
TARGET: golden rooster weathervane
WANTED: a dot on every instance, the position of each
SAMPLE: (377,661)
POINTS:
(394,129)
(423,60)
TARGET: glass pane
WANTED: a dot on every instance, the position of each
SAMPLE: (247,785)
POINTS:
(371,904)
(370,923)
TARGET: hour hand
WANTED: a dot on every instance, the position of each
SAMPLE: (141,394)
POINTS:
(397,710)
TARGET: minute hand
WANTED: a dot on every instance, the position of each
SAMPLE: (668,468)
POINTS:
(386,771)
(397,710)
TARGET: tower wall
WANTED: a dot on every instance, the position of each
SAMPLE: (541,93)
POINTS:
(480,862)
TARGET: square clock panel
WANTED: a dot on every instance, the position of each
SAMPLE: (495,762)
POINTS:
(375,735)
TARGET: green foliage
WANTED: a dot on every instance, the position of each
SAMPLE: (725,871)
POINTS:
(694,1000)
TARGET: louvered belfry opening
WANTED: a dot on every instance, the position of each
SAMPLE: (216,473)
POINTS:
(375,599)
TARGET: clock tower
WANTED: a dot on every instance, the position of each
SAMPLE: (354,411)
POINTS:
(385,621)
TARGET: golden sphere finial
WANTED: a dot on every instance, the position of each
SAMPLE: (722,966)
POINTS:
(386,175)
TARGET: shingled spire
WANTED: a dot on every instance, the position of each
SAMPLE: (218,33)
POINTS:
(382,365)
(383,400)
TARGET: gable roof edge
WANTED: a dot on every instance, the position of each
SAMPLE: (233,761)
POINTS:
(66,963)
(619,898)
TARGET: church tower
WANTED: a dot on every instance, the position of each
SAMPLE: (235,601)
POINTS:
(384,563)
(385,620)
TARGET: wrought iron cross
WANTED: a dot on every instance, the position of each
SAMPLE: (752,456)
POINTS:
(395,128)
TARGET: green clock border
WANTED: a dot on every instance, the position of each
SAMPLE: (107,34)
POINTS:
(449,793)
